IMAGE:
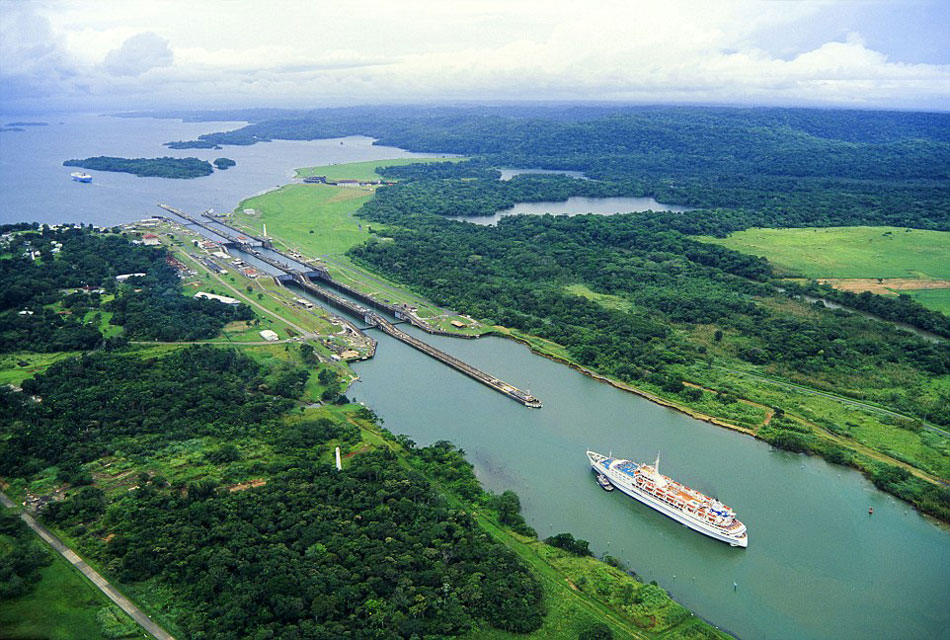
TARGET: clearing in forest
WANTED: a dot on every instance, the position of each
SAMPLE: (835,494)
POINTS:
(884,260)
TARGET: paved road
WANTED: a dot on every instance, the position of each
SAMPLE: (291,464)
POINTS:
(111,592)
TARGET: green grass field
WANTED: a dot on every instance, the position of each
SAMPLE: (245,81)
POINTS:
(603,299)
(62,606)
(363,170)
(294,211)
(12,373)
(848,252)
(938,299)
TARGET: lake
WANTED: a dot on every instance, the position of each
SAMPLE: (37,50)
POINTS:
(576,205)
(508,174)
(37,187)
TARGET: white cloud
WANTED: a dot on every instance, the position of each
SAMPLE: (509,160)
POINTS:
(139,54)
(312,53)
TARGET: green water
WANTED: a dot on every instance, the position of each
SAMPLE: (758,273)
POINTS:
(817,565)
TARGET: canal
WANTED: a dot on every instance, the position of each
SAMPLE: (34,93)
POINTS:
(817,566)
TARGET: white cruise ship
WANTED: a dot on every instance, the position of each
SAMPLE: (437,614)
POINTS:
(697,511)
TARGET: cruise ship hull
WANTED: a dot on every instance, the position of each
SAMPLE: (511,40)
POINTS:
(626,484)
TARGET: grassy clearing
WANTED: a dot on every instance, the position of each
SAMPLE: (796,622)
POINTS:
(12,373)
(62,606)
(848,252)
(316,218)
(937,299)
(603,299)
(364,170)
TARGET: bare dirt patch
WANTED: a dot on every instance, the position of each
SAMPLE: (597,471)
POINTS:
(259,482)
(884,286)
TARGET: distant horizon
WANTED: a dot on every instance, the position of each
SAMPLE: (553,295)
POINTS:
(6,113)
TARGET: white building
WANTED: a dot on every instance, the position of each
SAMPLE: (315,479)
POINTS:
(125,276)
(269,335)
(214,296)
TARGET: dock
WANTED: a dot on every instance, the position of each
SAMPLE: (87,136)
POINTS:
(305,279)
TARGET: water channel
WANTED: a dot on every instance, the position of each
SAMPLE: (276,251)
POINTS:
(817,566)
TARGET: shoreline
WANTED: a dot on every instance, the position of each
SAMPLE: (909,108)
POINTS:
(502,332)
(622,386)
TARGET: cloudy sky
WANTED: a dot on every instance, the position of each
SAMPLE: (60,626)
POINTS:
(131,54)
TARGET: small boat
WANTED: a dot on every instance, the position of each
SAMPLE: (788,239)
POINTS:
(81,176)
(604,482)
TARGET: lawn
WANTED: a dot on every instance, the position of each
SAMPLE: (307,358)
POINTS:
(317,218)
(318,221)
(62,606)
(848,252)
(363,170)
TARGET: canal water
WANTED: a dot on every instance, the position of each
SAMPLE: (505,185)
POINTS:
(575,206)
(817,566)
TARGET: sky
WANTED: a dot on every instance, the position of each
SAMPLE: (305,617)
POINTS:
(131,54)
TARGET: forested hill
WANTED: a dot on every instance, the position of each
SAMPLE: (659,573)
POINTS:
(782,167)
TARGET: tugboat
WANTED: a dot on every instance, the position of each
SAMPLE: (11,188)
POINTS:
(604,482)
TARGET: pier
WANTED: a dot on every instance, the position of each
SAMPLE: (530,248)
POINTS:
(251,245)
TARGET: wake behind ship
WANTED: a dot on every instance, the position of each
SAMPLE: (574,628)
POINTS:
(697,511)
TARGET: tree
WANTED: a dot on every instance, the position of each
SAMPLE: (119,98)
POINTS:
(597,631)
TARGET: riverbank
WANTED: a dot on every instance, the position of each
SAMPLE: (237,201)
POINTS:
(863,458)
(535,343)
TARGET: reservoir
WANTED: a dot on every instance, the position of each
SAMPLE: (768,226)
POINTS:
(818,566)
(576,205)
(508,174)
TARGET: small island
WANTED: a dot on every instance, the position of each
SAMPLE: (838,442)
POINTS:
(192,144)
(224,163)
(177,168)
